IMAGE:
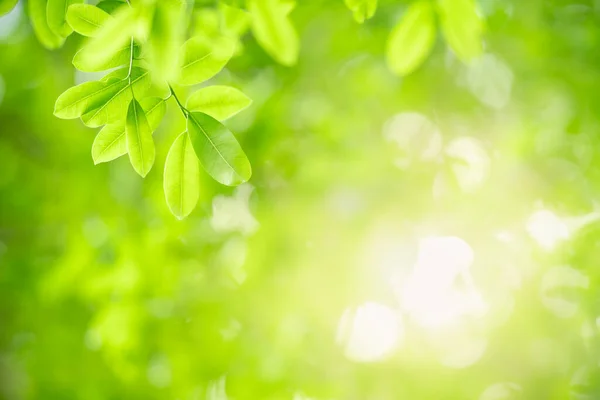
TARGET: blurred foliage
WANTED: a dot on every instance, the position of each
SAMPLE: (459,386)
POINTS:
(105,295)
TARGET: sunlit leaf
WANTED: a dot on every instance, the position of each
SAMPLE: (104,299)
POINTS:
(39,22)
(79,99)
(6,6)
(140,144)
(462,27)
(120,58)
(220,102)
(201,59)
(57,14)
(86,19)
(113,108)
(181,179)
(411,41)
(111,143)
(362,9)
(218,150)
(273,29)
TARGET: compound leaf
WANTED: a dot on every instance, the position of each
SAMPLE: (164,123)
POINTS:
(86,19)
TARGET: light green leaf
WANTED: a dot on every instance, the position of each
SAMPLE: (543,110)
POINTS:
(462,27)
(79,99)
(201,59)
(113,108)
(273,29)
(111,143)
(140,144)
(362,9)
(217,149)
(6,6)
(412,40)
(182,177)
(220,102)
(110,6)
(56,12)
(120,58)
(39,22)
(86,19)
(166,37)
(109,40)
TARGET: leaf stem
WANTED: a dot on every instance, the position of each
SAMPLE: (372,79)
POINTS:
(130,61)
(184,111)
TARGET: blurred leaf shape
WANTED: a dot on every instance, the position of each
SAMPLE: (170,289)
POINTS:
(166,37)
(273,29)
(109,40)
(120,58)
(220,102)
(490,80)
(502,391)
(202,59)
(140,144)
(181,181)
(6,6)
(218,150)
(559,288)
(111,142)
(412,40)
(234,21)
(86,19)
(39,22)
(362,10)
(57,14)
(462,27)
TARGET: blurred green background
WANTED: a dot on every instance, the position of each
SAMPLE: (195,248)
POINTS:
(294,286)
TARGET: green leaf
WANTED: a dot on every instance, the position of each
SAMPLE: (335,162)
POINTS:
(362,9)
(6,6)
(201,60)
(412,40)
(273,29)
(462,27)
(140,144)
(217,149)
(110,6)
(220,102)
(182,177)
(113,108)
(56,15)
(86,19)
(111,143)
(109,40)
(39,22)
(166,37)
(120,58)
(79,99)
